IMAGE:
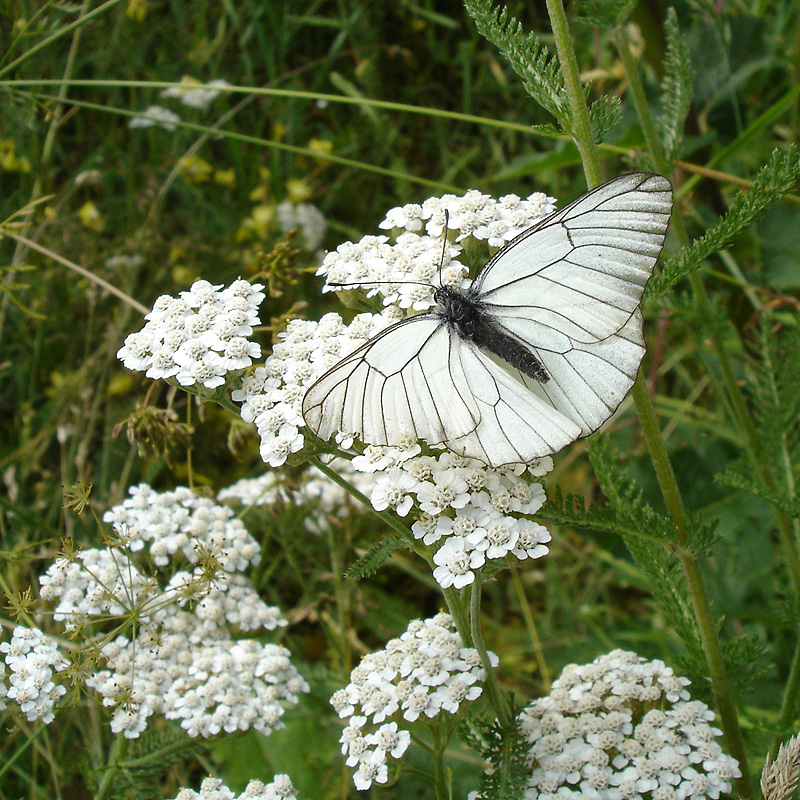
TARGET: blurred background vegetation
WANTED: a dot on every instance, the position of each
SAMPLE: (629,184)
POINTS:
(150,210)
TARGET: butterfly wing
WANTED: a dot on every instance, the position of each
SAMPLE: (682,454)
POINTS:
(588,381)
(419,379)
(407,382)
(578,275)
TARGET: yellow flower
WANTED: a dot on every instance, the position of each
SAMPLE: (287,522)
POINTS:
(195,169)
(298,190)
(90,217)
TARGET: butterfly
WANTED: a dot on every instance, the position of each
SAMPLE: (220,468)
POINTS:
(537,352)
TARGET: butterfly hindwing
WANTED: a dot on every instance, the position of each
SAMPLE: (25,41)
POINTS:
(516,425)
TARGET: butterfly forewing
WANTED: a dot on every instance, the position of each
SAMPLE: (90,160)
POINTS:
(581,272)
(568,289)
(405,383)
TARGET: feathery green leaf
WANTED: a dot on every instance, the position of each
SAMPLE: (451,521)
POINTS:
(538,69)
(774,180)
(371,561)
(676,89)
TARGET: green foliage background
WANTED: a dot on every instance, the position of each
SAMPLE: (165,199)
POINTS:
(453,115)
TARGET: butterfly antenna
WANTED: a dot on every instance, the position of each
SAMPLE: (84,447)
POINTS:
(444,243)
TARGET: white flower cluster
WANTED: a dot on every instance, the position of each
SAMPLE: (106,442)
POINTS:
(214,789)
(155,116)
(181,521)
(184,664)
(405,273)
(194,94)
(305,217)
(424,672)
(321,496)
(473,214)
(33,659)
(476,513)
(199,337)
(272,395)
(623,728)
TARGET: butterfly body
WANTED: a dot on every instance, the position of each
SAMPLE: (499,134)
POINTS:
(538,351)
(474,322)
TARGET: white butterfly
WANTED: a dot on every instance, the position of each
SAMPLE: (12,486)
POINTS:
(537,352)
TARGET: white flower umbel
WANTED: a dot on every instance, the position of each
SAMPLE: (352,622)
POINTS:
(198,338)
(402,275)
(472,214)
(32,659)
(179,656)
(194,94)
(307,218)
(319,496)
(155,116)
(179,521)
(623,728)
(423,673)
(214,789)
(473,514)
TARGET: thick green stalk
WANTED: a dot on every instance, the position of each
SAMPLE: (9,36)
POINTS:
(492,686)
(723,694)
(666,476)
(581,128)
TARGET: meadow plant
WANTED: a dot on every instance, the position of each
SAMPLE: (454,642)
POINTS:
(262,609)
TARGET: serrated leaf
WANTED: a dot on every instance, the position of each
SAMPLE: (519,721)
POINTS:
(539,71)
(772,182)
(786,503)
(375,557)
(676,89)
(604,114)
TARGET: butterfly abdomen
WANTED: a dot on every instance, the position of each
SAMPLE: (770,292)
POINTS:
(476,325)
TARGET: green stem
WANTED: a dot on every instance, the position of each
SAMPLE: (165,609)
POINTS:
(388,518)
(112,766)
(790,694)
(581,128)
(640,100)
(541,661)
(460,615)
(493,688)
(440,778)
(694,581)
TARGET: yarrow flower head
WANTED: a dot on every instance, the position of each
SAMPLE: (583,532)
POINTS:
(181,659)
(423,673)
(623,728)
(214,789)
(155,116)
(33,661)
(403,274)
(198,338)
(305,217)
(194,94)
